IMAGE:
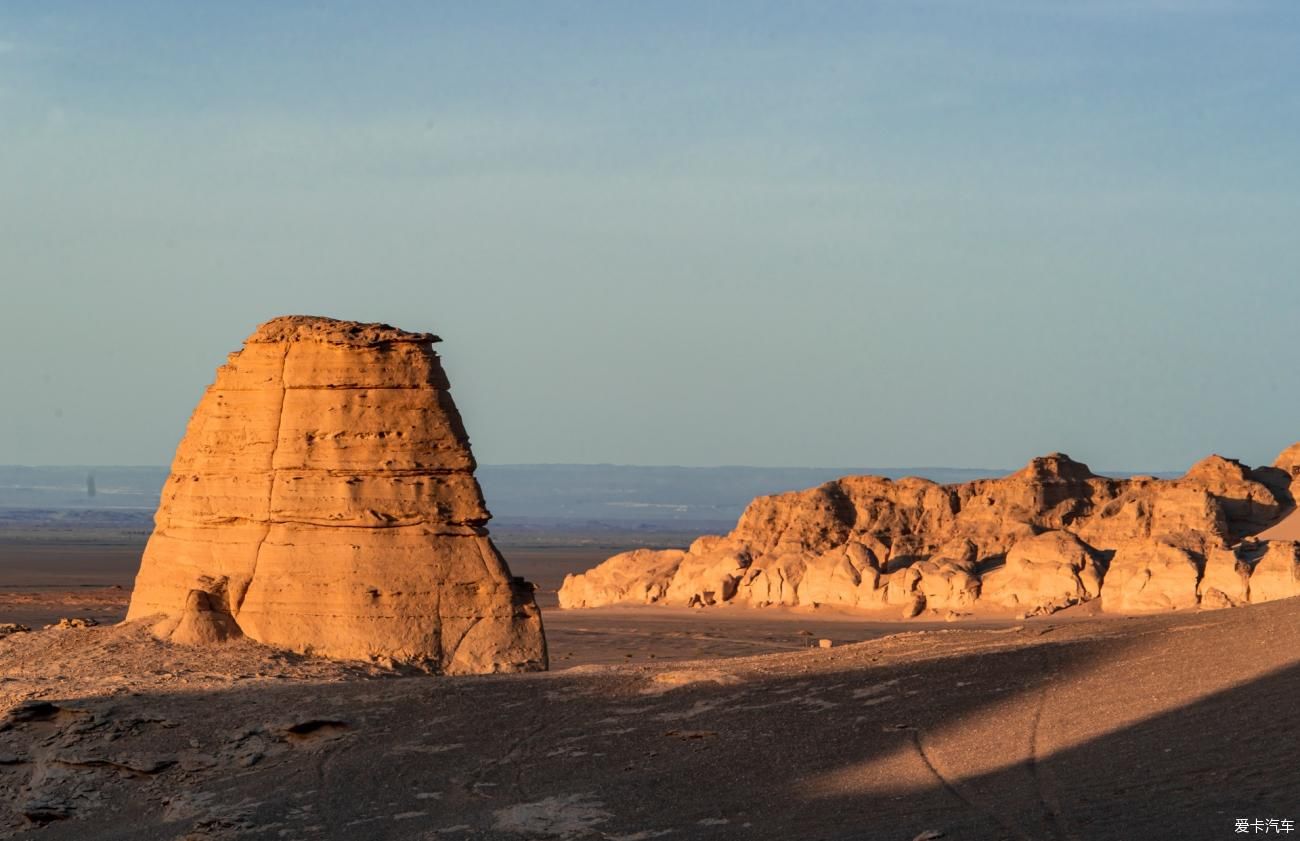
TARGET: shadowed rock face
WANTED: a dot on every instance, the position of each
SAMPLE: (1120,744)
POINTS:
(1048,536)
(324,498)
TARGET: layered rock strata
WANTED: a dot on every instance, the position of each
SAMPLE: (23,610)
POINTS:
(1049,536)
(323,499)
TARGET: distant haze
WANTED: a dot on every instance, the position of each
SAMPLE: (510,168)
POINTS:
(516,493)
(669,233)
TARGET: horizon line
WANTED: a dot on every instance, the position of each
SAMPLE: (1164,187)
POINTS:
(854,470)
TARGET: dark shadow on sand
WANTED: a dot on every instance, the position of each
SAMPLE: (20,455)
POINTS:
(420,758)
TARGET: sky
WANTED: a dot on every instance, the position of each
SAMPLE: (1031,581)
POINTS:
(778,234)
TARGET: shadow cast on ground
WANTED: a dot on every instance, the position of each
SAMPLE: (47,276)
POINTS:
(1164,727)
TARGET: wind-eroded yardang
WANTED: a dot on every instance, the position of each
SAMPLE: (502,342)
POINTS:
(323,499)
(1052,535)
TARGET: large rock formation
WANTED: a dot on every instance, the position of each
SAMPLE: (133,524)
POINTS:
(323,499)
(1049,536)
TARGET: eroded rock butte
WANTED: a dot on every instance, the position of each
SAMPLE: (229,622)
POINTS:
(1049,536)
(323,500)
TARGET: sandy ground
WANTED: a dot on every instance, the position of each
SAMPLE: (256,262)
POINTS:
(1166,727)
(35,591)
(656,722)
(67,564)
(1288,528)
(37,608)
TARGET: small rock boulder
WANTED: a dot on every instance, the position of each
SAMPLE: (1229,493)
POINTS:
(1277,574)
(1226,581)
(1150,576)
(637,577)
(776,583)
(1288,461)
(1249,504)
(949,579)
(204,621)
(836,577)
(75,622)
(708,577)
(1053,569)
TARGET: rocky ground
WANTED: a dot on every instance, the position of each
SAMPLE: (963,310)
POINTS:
(1170,726)
(37,608)
(595,636)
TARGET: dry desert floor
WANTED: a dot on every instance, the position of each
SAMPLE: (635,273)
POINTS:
(1163,727)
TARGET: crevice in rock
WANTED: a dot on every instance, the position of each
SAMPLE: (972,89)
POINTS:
(455,650)
(270,494)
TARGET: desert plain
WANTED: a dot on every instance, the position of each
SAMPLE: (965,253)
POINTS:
(317,637)
(652,722)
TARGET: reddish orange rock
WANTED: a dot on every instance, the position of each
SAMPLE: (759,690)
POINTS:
(1048,536)
(324,498)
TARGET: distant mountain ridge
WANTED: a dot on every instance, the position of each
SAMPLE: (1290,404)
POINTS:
(605,493)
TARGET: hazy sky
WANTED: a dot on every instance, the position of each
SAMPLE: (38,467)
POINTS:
(894,233)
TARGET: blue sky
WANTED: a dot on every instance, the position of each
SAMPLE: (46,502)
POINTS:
(863,234)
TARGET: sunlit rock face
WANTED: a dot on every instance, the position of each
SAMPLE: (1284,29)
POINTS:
(324,498)
(1046,537)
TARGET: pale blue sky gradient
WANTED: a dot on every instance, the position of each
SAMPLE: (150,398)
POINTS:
(862,234)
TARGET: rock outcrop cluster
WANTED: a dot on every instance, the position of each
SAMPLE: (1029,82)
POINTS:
(323,499)
(1049,536)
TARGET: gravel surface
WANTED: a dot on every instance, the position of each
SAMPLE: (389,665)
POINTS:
(1171,726)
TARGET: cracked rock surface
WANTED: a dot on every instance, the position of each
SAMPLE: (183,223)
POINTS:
(323,499)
